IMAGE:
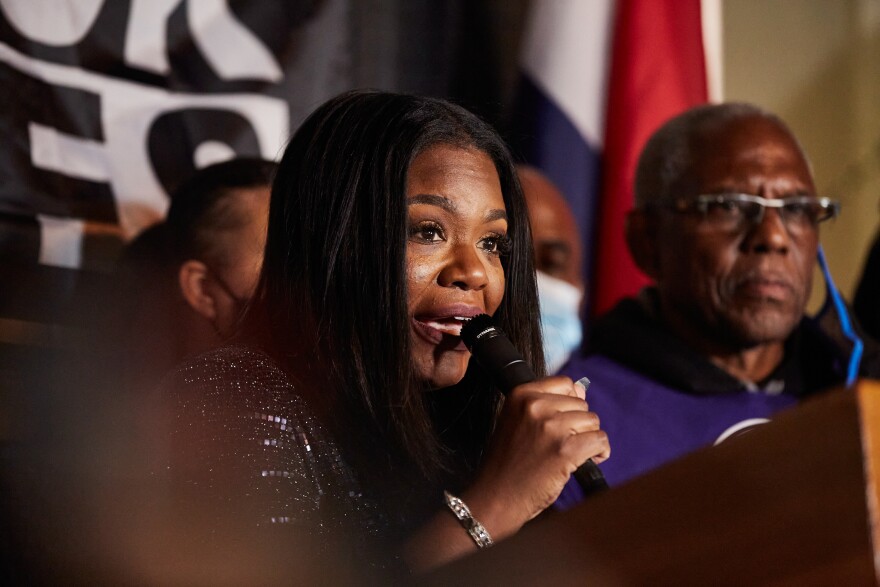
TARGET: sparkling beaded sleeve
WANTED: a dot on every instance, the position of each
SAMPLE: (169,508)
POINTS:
(240,435)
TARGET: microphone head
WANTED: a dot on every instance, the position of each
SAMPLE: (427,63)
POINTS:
(477,328)
(495,353)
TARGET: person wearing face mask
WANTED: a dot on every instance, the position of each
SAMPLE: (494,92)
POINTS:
(726,223)
(186,280)
(558,266)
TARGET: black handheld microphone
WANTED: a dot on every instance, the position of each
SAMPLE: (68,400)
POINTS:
(497,355)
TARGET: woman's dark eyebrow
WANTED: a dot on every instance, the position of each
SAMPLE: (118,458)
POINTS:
(432,200)
(496,214)
(449,205)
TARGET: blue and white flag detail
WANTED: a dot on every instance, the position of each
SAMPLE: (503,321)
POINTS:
(559,118)
(598,77)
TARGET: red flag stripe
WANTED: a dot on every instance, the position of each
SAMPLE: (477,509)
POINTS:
(657,71)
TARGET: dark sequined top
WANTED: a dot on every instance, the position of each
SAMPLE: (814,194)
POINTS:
(238,432)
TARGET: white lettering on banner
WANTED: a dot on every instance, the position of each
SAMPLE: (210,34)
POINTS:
(146,41)
(128,109)
(56,23)
(73,156)
(211,152)
(60,241)
(231,49)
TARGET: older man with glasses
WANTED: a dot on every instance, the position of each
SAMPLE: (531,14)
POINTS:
(726,223)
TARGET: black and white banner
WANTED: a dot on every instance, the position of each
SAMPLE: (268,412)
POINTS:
(107,104)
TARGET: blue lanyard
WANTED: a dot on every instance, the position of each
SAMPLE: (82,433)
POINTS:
(855,357)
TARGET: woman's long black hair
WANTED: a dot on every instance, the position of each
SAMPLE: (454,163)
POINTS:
(332,295)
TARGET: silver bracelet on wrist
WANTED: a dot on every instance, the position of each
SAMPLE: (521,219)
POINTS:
(475,529)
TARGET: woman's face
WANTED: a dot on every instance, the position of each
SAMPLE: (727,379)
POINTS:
(457,233)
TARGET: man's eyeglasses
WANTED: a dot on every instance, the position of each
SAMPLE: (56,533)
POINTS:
(732,210)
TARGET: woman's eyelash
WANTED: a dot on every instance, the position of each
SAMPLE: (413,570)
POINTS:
(421,229)
(430,231)
(503,244)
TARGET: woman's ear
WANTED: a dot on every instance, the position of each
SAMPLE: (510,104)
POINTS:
(193,278)
(640,232)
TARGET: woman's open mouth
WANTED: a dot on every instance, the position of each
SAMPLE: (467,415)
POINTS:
(444,329)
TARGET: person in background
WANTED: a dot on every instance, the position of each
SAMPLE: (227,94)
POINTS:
(558,264)
(185,281)
(726,223)
(104,387)
(218,230)
(349,411)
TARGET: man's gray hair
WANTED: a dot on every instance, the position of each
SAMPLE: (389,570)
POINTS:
(668,154)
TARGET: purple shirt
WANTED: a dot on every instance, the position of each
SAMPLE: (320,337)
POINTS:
(649,424)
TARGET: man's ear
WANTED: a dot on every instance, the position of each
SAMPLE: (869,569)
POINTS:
(640,232)
(193,279)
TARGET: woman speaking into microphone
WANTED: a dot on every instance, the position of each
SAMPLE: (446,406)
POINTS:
(349,408)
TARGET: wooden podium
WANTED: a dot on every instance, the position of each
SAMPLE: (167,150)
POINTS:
(794,502)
